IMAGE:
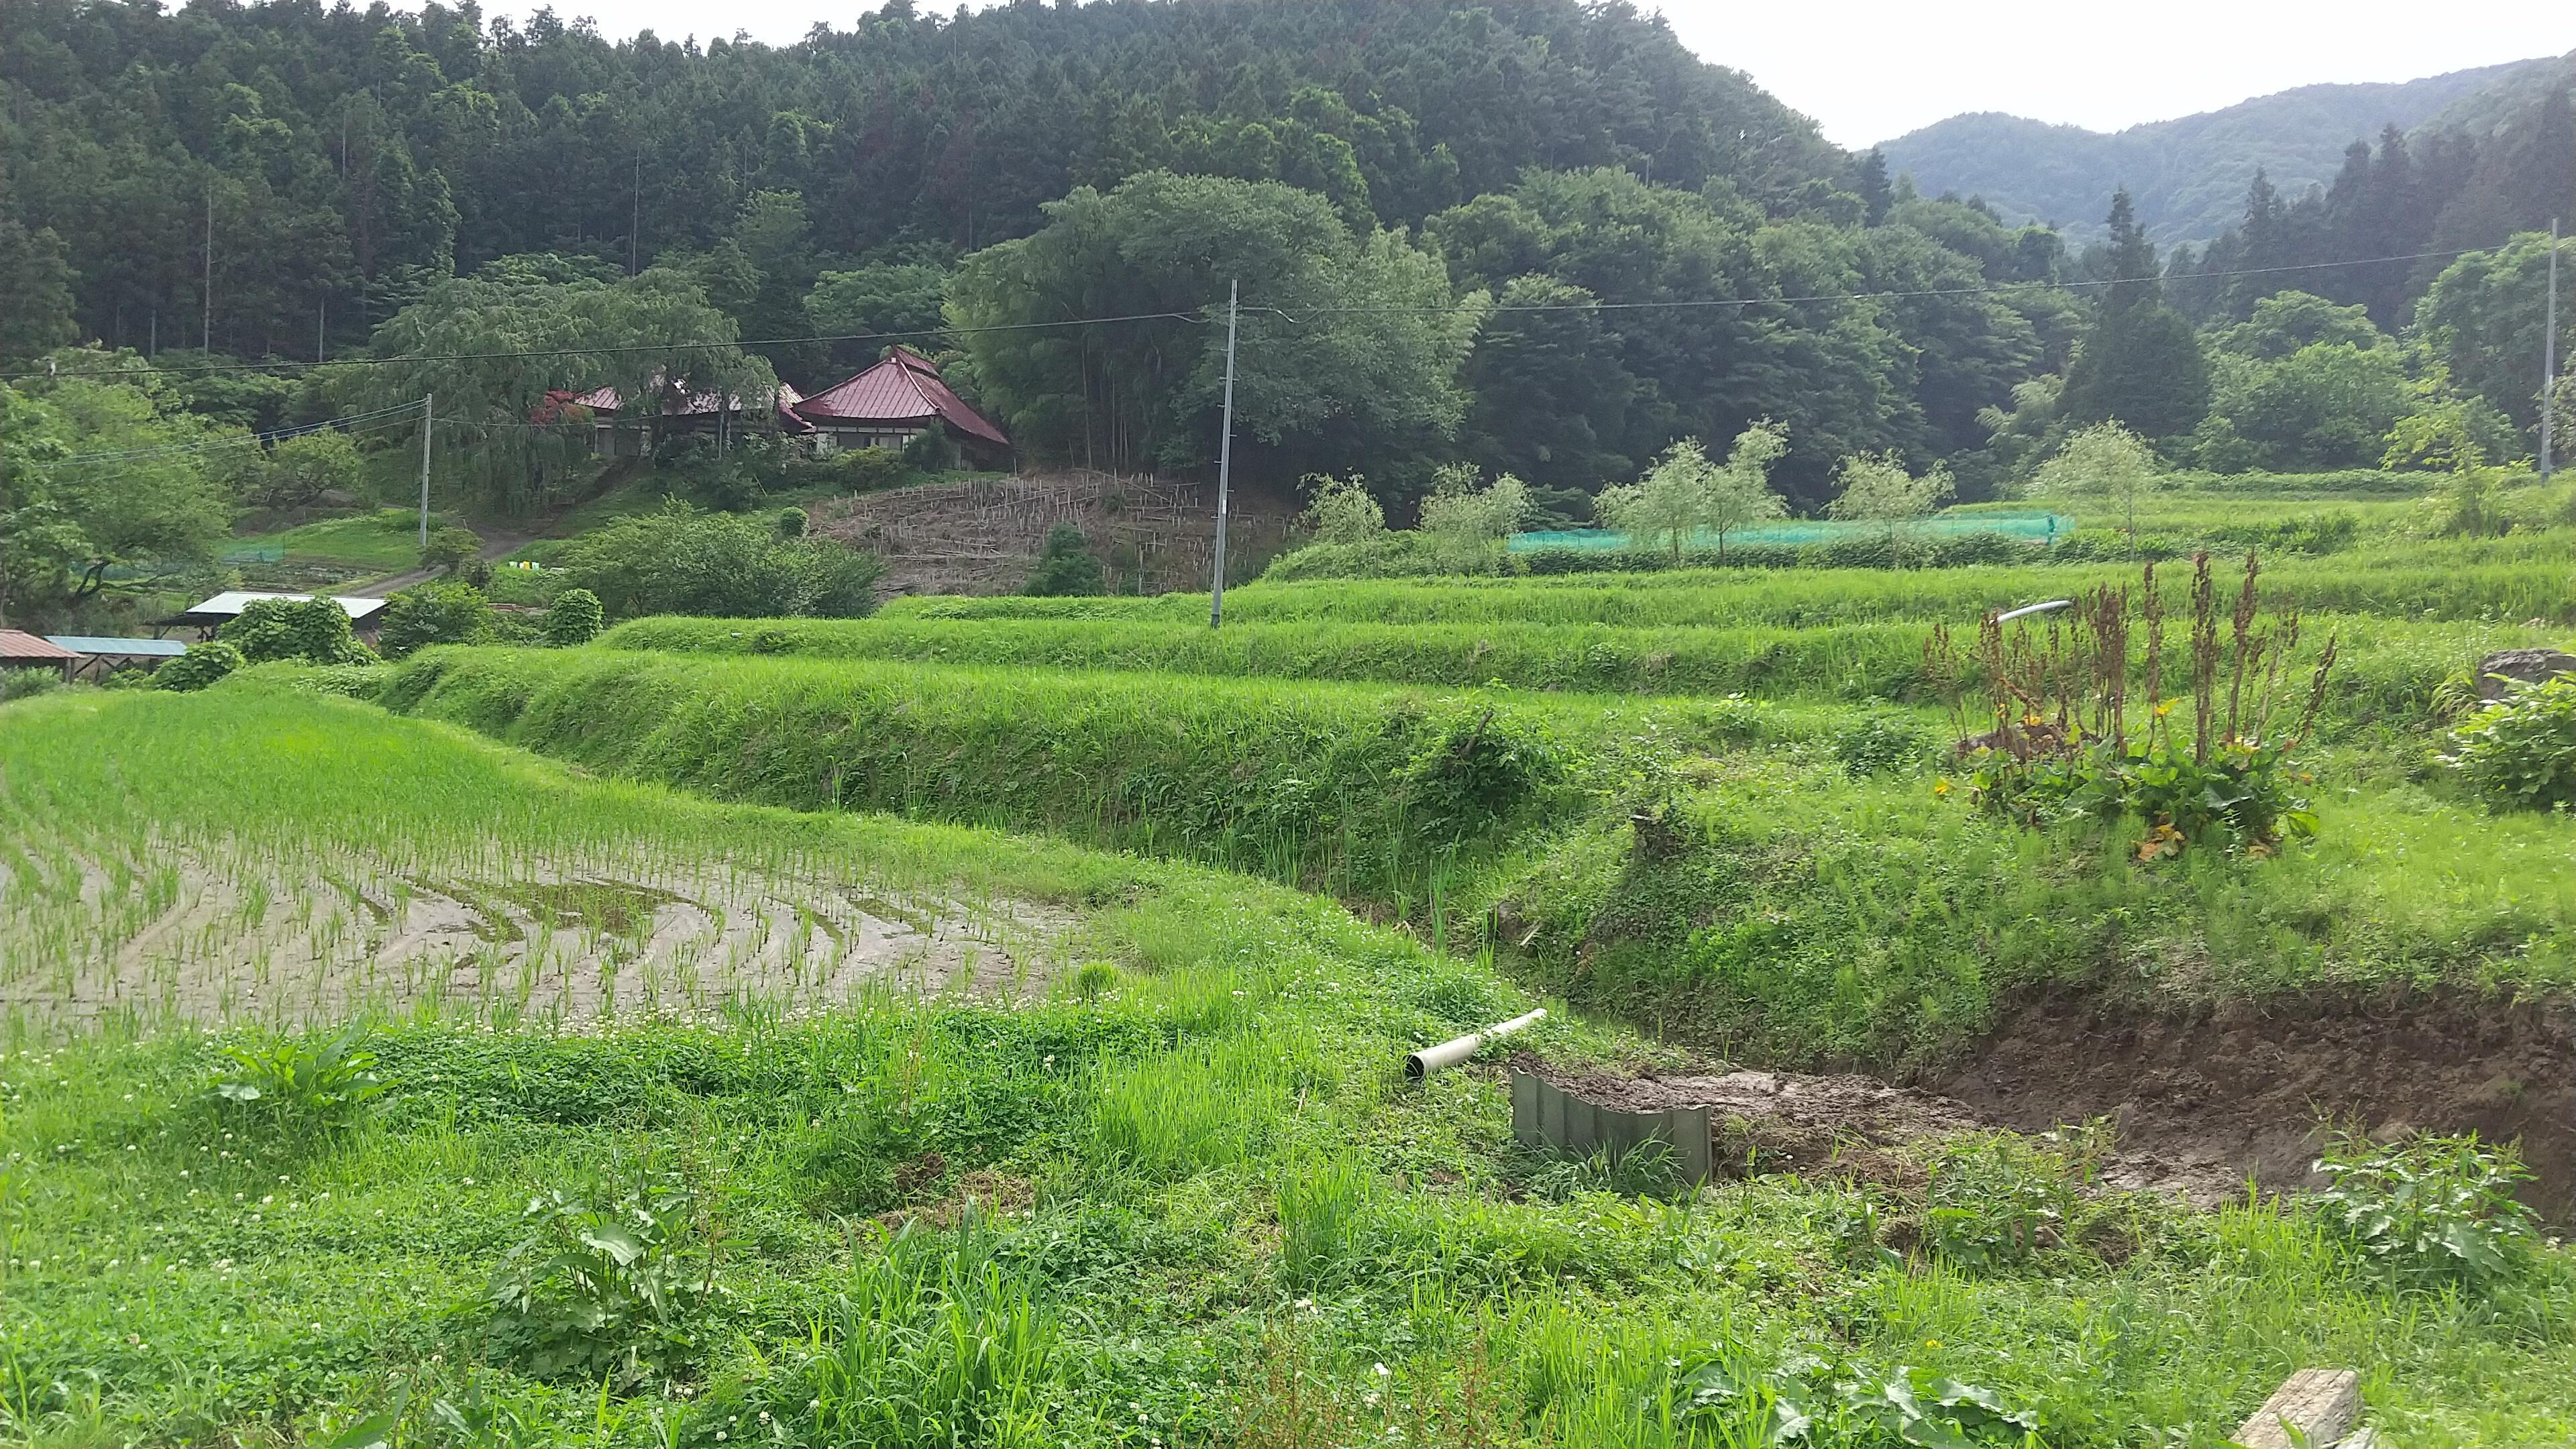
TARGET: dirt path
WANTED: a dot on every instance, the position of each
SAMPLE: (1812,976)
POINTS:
(497,545)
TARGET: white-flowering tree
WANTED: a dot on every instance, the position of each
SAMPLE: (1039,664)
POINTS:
(1740,494)
(1670,503)
(1876,488)
(2107,462)
(1471,521)
(1686,491)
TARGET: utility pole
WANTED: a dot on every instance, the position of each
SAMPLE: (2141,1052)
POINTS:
(321,329)
(428,404)
(1224,456)
(2549,360)
(635,218)
(206,322)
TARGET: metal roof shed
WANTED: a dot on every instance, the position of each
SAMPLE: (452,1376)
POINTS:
(225,607)
(102,656)
(20,650)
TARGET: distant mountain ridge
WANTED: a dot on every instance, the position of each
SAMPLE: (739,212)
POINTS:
(2187,176)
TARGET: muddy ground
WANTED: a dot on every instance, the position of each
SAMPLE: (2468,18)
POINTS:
(2197,1106)
(2251,1088)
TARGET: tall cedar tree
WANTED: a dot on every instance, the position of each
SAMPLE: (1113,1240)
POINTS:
(2141,364)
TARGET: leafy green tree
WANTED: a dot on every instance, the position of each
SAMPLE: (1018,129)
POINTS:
(1876,488)
(1739,494)
(450,612)
(1468,522)
(1350,349)
(203,664)
(1550,392)
(1670,503)
(2285,322)
(2483,320)
(491,346)
(1685,492)
(1066,567)
(69,516)
(574,618)
(870,301)
(300,470)
(2327,405)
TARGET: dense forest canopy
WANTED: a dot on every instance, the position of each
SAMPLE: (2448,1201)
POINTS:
(1539,237)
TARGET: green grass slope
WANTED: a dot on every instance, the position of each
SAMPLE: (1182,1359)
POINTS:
(1212,1210)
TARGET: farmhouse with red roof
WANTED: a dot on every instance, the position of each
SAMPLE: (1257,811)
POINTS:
(897,400)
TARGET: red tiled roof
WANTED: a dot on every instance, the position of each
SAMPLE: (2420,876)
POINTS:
(607,400)
(17,645)
(905,388)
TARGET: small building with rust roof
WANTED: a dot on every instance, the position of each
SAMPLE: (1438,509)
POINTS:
(895,401)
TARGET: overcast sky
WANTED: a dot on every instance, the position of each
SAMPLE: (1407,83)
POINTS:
(1871,70)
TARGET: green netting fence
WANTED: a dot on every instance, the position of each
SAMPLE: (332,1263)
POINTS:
(2038,527)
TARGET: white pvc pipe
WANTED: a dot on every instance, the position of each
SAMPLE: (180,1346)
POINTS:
(2032,609)
(1457,1049)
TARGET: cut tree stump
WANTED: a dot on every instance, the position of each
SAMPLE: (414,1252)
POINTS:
(2312,1408)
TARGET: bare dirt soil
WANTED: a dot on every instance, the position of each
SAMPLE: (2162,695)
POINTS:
(2197,1106)
(1859,1127)
(983,536)
(2251,1089)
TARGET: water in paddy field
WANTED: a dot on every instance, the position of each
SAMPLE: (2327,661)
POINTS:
(223,929)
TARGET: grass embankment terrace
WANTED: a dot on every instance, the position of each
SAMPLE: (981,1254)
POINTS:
(1214,1212)
(1809,912)
(1368,792)
(2508,579)
(2388,668)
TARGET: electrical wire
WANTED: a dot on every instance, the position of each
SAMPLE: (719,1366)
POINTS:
(1208,317)
(371,421)
(627,348)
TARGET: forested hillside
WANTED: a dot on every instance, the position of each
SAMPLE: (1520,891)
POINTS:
(1539,239)
(2186,175)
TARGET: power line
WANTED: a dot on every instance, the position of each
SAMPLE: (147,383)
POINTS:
(373,420)
(631,347)
(1979,289)
(1203,319)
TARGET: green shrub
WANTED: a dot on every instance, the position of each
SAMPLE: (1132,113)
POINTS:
(573,619)
(202,665)
(314,630)
(1065,568)
(1883,742)
(25,683)
(2520,751)
(448,612)
(305,1082)
(603,1282)
(450,549)
(682,561)
(2429,1210)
